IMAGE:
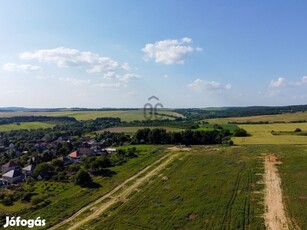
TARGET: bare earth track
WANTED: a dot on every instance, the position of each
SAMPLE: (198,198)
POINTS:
(275,215)
(119,193)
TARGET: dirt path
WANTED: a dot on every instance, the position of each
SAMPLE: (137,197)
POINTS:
(275,215)
(123,190)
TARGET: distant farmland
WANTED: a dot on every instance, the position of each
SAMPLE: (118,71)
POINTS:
(285,117)
(124,115)
(25,125)
(133,129)
(261,134)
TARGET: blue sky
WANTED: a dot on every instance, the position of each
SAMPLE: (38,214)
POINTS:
(118,53)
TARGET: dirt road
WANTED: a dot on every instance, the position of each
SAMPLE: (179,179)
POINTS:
(123,190)
(275,215)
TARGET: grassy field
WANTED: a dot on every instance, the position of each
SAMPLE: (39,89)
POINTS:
(205,127)
(285,117)
(25,125)
(68,198)
(125,115)
(261,134)
(133,129)
(209,188)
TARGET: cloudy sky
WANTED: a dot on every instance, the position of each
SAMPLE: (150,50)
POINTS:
(64,53)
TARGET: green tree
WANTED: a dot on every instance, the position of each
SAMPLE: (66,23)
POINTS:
(44,169)
(239,132)
(83,178)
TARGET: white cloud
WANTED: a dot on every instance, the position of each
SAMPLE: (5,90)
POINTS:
(65,57)
(169,51)
(125,77)
(278,83)
(282,82)
(128,77)
(13,67)
(109,75)
(126,67)
(200,84)
(111,85)
(74,81)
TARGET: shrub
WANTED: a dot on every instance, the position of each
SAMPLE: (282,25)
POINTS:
(7,201)
(239,132)
(37,200)
(297,130)
(27,196)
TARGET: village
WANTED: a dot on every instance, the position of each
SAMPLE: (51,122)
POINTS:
(14,174)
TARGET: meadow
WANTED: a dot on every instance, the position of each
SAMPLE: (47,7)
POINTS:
(124,115)
(25,125)
(207,188)
(205,127)
(261,134)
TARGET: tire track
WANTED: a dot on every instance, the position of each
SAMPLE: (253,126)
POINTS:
(138,179)
(275,215)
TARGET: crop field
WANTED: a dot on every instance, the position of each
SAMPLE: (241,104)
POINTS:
(261,134)
(133,129)
(207,188)
(285,117)
(25,125)
(125,115)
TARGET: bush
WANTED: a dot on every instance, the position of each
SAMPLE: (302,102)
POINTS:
(37,200)
(230,142)
(7,201)
(239,132)
(297,130)
(27,196)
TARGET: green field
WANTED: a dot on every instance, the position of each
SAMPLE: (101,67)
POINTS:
(208,188)
(125,115)
(261,134)
(205,127)
(25,125)
(285,117)
(133,129)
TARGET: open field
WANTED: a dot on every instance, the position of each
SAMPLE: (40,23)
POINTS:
(133,129)
(205,127)
(285,117)
(25,125)
(207,188)
(125,115)
(261,134)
